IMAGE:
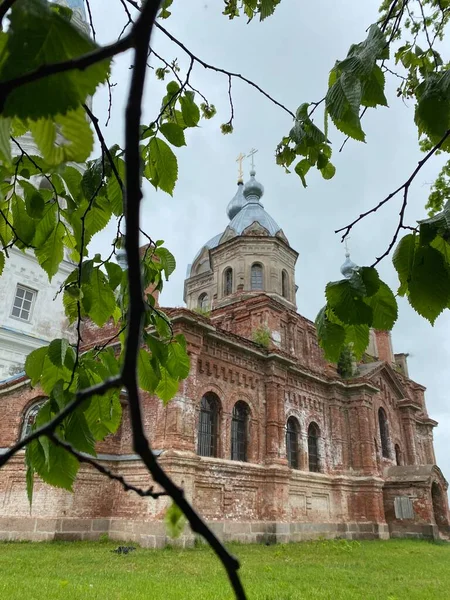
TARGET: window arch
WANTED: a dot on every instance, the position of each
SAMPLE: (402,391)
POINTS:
(29,417)
(384,432)
(203,302)
(228,281)
(239,431)
(292,433)
(208,425)
(398,455)
(313,447)
(257,279)
(284,284)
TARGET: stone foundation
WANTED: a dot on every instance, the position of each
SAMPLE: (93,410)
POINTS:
(153,534)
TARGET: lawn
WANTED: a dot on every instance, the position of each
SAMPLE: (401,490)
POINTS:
(392,570)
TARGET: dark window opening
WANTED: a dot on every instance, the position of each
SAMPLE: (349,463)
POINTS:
(398,455)
(203,302)
(30,418)
(207,425)
(284,284)
(257,277)
(292,431)
(384,433)
(239,429)
(313,448)
(228,282)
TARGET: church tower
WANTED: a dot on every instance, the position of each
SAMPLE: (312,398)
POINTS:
(252,257)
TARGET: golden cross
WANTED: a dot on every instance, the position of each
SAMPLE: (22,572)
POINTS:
(252,154)
(239,160)
(347,251)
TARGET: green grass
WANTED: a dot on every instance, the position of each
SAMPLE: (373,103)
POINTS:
(392,570)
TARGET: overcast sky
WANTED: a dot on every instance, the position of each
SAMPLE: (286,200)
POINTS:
(289,55)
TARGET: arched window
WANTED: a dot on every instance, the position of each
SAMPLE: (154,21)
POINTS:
(30,417)
(228,282)
(384,433)
(292,431)
(257,277)
(207,425)
(313,447)
(203,302)
(239,431)
(284,284)
(398,455)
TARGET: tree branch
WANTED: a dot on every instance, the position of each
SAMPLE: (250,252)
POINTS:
(142,30)
(48,428)
(405,187)
(82,458)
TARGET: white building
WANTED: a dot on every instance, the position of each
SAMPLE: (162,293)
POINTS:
(31,308)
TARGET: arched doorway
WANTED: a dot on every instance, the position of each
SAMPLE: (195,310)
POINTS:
(439,507)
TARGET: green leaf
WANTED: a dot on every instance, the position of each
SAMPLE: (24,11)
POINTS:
(167,261)
(432,114)
(103,414)
(51,253)
(429,287)
(189,110)
(370,279)
(50,38)
(57,351)
(148,379)
(167,386)
(163,165)
(373,90)
(78,434)
(302,168)
(5,142)
(2,262)
(78,139)
(331,335)
(328,171)
(98,298)
(23,224)
(29,479)
(358,337)
(384,306)
(403,260)
(34,364)
(178,363)
(34,202)
(115,274)
(45,225)
(63,466)
(175,520)
(173,133)
(347,305)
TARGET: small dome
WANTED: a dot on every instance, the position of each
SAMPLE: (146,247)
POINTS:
(237,202)
(348,267)
(253,190)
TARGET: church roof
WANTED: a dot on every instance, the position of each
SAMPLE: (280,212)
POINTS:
(244,210)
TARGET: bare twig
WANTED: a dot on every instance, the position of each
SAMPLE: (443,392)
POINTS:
(405,187)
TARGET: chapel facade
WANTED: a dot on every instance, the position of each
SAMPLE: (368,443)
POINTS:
(267,440)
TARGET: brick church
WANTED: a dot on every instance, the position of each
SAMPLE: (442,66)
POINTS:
(268,441)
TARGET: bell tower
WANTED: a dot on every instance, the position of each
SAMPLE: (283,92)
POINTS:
(252,257)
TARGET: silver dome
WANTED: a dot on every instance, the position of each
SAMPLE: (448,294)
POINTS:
(237,202)
(253,190)
(348,267)
(253,212)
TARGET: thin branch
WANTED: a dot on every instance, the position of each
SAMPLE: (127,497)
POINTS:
(82,458)
(48,428)
(143,29)
(405,187)
(91,21)
(220,70)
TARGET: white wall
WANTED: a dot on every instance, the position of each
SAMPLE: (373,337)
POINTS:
(47,321)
